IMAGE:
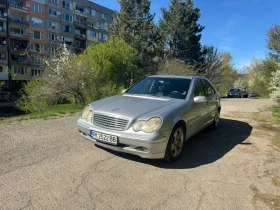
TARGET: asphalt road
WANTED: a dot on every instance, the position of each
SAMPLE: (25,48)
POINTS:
(45,164)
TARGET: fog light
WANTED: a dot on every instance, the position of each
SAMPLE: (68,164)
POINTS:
(142,149)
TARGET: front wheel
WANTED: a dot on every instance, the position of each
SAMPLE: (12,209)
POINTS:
(175,144)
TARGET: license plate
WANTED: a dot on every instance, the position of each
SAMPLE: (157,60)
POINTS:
(104,137)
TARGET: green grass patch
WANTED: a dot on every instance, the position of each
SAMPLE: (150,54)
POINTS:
(276,113)
(12,113)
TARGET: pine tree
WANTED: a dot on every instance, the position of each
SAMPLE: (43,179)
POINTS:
(182,32)
(134,24)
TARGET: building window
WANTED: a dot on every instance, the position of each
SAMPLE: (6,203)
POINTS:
(52,24)
(77,31)
(36,47)
(90,24)
(16,31)
(38,61)
(67,28)
(20,70)
(92,33)
(37,35)
(53,37)
(3,42)
(52,12)
(67,17)
(78,20)
(36,7)
(103,37)
(67,5)
(103,16)
(53,1)
(93,12)
(53,49)
(80,9)
(3,56)
(17,18)
(35,72)
(102,26)
(36,21)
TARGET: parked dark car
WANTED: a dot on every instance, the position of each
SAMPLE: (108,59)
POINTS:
(251,95)
(236,92)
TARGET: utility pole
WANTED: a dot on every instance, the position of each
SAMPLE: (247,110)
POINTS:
(8,47)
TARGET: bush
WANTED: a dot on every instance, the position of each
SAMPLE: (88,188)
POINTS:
(275,85)
(102,70)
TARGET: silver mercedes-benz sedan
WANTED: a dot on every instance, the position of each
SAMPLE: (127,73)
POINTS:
(154,117)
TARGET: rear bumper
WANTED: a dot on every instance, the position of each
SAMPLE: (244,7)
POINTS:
(151,146)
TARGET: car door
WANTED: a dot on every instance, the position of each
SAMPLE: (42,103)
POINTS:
(211,104)
(198,112)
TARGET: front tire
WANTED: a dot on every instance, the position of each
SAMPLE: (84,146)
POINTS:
(175,144)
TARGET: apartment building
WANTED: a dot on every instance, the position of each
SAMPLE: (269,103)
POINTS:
(34,25)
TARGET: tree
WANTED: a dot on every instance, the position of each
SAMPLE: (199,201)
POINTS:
(212,67)
(181,30)
(260,74)
(175,66)
(275,85)
(134,24)
(229,74)
(102,70)
(241,84)
(273,42)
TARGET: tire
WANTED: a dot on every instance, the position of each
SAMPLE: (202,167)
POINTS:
(175,144)
(216,120)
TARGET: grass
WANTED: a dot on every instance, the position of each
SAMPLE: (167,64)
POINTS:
(12,113)
(276,113)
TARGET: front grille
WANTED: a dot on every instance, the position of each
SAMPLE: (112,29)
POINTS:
(110,122)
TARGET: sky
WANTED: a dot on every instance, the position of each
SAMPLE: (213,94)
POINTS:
(235,26)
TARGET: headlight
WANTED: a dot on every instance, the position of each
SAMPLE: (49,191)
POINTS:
(87,114)
(148,126)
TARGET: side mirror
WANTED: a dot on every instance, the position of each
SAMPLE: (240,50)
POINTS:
(123,90)
(200,99)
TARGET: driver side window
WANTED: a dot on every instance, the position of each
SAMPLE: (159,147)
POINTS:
(198,90)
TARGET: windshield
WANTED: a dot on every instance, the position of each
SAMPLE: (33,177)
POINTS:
(161,86)
(234,90)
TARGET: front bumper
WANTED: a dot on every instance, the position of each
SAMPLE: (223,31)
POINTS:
(145,145)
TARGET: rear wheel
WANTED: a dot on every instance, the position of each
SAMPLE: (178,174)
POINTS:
(175,144)
(216,120)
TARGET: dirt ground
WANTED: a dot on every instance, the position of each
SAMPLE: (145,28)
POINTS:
(45,164)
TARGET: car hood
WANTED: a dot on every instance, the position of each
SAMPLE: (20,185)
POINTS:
(135,106)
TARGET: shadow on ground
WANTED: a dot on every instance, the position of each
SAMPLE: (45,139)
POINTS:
(204,148)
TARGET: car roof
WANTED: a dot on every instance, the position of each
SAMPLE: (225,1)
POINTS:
(174,76)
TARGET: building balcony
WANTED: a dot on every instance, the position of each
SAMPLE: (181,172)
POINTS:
(18,51)
(3,48)
(3,33)
(17,36)
(80,13)
(18,22)
(18,6)
(80,25)
(2,17)
(3,3)
(80,37)
(20,62)
(4,61)
(80,46)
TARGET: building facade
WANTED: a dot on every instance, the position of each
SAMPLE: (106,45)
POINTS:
(28,27)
